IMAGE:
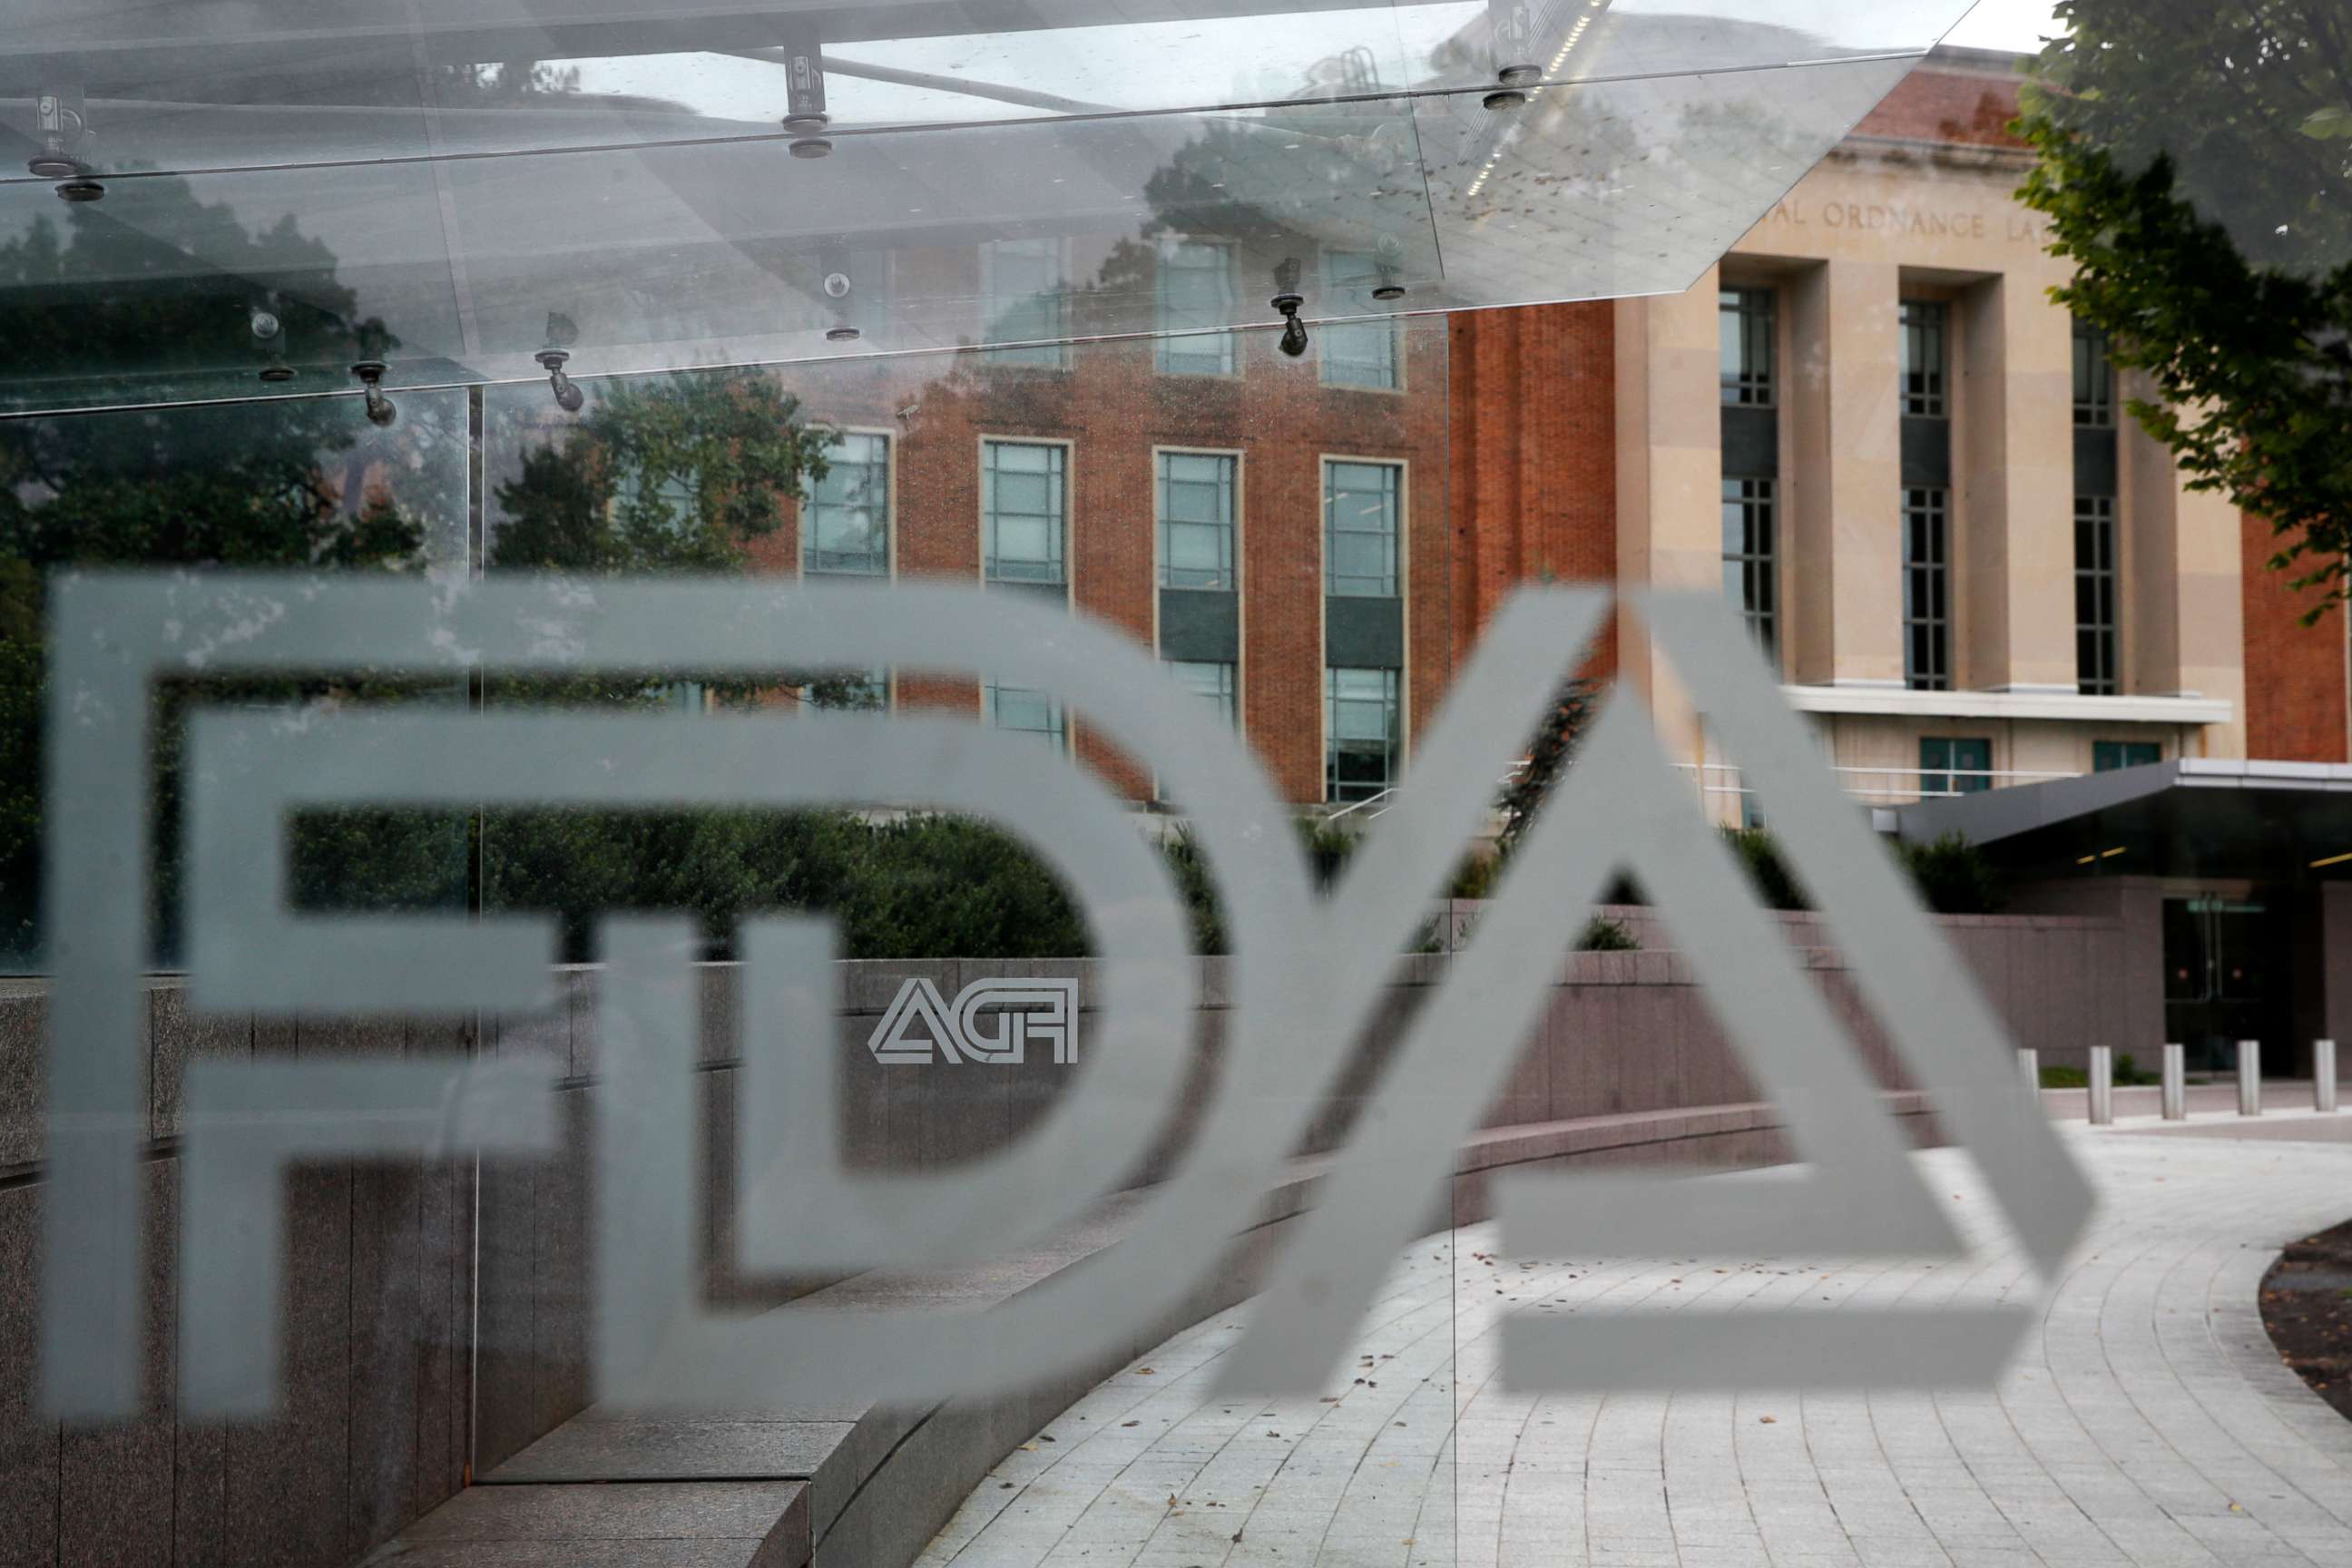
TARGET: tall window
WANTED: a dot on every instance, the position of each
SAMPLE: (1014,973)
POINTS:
(1211,682)
(1027,282)
(1359,728)
(1926,331)
(1023,711)
(1196,295)
(1357,354)
(846,527)
(2106,756)
(1749,577)
(1927,591)
(1196,520)
(2094,378)
(851,691)
(1363,503)
(1743,324)
(1024,511)
(1954,764)
(2094,595)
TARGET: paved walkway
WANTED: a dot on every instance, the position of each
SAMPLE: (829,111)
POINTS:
(2146,1422)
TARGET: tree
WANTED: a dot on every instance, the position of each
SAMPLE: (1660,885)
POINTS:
(1555,742)
(2195,163)
(100,310)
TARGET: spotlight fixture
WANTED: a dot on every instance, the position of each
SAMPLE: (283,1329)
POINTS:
(568,395)
(380,409)
(79,189)
(1287,302)
(65,131)
(1387,262)
(810,147)
(1516,80)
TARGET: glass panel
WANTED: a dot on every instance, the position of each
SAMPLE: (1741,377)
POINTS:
(686,251)
(1361,508)
(1198,492)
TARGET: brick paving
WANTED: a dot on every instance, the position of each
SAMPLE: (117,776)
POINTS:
(2147,1420)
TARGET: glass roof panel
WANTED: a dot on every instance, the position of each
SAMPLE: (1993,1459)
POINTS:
(258,225)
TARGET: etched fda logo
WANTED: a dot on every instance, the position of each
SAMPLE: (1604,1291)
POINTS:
(1305,977)
(920,1026)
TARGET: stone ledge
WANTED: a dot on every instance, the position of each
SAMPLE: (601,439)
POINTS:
(866,1489)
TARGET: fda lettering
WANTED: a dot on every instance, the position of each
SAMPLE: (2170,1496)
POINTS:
(991,1023)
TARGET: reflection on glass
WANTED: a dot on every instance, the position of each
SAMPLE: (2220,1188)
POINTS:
(848,513)
(1362,505)
(1360,721)
(1197,507)
(1025,505)
(1196,293)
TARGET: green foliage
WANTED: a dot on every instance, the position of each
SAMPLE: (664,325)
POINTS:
(1197,886)
(678,474)
(1602,934)
(1475,877)
(2064,1078)
(1759,856)
(1550,752)
(1953,876)
(296,484)
(2195,168)
(1328,847)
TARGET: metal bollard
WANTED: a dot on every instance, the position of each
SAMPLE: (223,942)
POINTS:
(2102,1086)
(2250,1078)
(2029,1067)
(2175,1083)
(2323,1075)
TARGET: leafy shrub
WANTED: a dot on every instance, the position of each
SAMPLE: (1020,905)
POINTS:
(1328,847)
(2064,1078)
(1953,876)
(1475,877)
(1759,856)
(1602,934)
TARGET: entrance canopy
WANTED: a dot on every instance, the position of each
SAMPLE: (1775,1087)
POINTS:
(454,186)
(2265,821)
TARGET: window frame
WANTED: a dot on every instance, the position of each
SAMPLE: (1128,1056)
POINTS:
(1387,328)
(2122,750)
(890,513)
(1050,355)
(1160,566)
(1066,467)
(1057,720)
(1926,389)
(2094,378)
(1226,692)
(1170,339)
(1949,774)
(1392,702)
(2097,635)
(1395,576)
(1758,327)
(1760,499)
(1927,562)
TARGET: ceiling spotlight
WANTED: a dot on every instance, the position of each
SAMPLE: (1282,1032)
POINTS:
(568,395)
(1287,302)
(380,409)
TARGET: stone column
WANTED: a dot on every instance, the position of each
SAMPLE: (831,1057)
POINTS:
(1842,514)
(2013,490)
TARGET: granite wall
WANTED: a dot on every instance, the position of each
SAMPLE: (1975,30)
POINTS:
(438,1314)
